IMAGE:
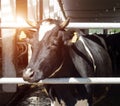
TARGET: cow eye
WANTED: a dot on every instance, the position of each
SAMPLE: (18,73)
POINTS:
(53,44)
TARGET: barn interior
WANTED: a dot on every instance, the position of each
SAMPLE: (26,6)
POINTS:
(103,11)
(92,10)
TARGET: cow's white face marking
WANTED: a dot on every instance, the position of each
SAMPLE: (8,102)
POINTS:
(46,26)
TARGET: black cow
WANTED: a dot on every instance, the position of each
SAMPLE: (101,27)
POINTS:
(113,44)
(55,56)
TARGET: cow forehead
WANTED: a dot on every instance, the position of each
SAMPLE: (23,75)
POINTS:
(45,26)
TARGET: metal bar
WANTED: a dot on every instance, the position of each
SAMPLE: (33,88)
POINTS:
(82,25)
(89,80)
(15,27)
(85,25)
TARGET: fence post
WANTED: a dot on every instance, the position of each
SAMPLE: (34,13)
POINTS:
(8,69)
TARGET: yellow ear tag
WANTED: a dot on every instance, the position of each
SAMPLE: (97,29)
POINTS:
(22,35)
(74,38)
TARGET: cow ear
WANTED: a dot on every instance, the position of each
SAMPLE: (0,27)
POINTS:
(68,37)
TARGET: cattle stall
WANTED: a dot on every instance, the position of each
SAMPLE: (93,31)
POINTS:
(19,52)
(14,53)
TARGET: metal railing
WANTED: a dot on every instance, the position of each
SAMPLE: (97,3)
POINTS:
(89,80)
(72,80)
(85,25)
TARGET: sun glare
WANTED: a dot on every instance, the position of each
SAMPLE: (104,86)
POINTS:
(20,22)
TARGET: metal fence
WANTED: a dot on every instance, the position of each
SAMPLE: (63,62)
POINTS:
(91,80)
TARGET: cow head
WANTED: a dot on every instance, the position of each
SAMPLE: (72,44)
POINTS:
(48,52)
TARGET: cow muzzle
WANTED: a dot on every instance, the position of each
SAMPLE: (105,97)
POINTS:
(27,74)
(31,75)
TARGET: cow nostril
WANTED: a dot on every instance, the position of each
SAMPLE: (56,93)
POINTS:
(31,75)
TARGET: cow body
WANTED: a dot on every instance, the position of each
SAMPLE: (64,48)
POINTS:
(55,57)
(113,42)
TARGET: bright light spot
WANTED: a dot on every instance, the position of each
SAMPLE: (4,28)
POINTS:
(20,22)
(0,14)
(46,26)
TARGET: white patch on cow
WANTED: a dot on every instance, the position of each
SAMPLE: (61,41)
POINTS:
(56,103)
(46,26)
(82,103)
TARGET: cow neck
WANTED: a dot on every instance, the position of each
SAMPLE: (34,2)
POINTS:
(92,64)
(57,70)
(88,51)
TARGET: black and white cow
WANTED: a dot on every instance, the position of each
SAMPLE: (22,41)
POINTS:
(56,56)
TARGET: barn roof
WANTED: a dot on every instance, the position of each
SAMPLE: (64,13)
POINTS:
(92,10)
